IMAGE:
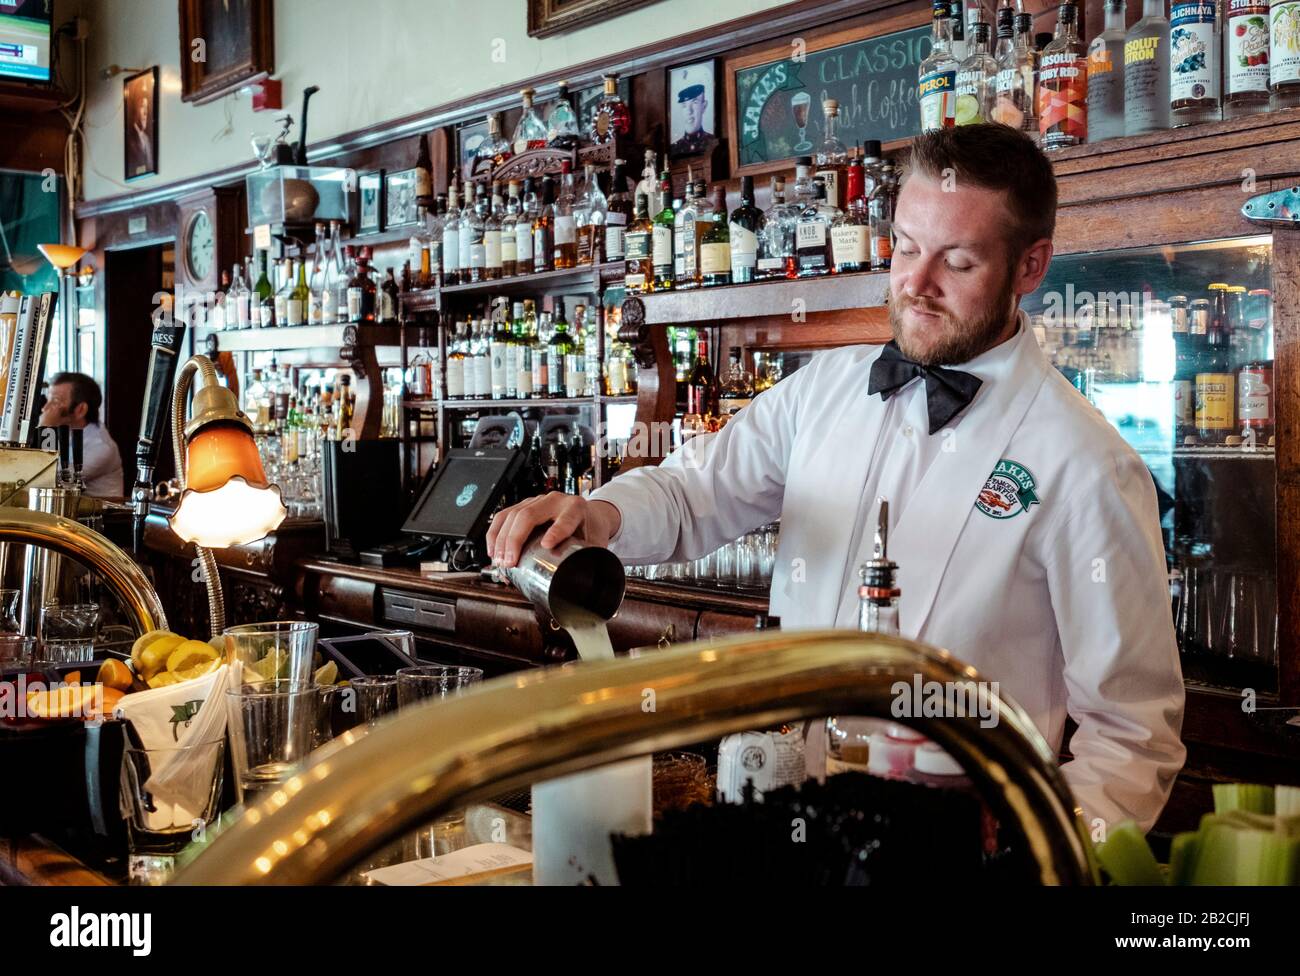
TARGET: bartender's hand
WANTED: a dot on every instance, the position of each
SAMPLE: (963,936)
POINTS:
(595,521)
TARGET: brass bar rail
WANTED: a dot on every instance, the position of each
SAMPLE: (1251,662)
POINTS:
(363,791)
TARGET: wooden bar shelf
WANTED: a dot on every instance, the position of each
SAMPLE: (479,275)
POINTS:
(306,337)
(544,282)
(788,298)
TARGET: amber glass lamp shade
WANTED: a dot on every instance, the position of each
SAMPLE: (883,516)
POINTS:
(62,256)
(227,501)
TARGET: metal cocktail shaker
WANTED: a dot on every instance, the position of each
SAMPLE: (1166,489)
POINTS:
(572,582)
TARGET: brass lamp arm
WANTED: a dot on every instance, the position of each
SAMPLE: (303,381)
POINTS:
(180,402)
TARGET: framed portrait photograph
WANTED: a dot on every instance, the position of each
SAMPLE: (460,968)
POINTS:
(140,136)
(225,45)
(399,195)
(692,108)
(547,17)
(468,139)
(370,202)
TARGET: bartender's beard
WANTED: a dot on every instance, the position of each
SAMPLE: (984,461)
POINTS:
(952,341)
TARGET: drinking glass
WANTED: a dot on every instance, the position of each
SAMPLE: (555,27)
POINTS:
(160,822)
(9,611)
(16,649)
(67,632)
(279,650)
(416,684)
(799,105)
(375,695)
(272,728)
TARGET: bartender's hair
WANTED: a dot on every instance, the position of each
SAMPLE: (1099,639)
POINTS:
(995,157)
(84,390)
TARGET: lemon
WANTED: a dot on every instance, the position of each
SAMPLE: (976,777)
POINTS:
(968,109)
(190,653)
(327,673)
(163,679)
(149,652)
(198,670)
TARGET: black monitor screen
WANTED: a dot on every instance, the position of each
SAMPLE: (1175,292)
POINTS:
(462,493)
(25,39)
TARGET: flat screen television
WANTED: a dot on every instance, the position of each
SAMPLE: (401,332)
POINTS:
(25,28)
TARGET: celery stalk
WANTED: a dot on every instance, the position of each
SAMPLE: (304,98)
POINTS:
(1251,797)
(1127,858)
(1182,857)
(1286,801)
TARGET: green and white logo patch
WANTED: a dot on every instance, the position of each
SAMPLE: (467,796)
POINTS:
(1008,491)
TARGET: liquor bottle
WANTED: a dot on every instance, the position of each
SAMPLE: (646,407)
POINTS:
(1011,100)
(456,363)
(492,237)
(776,258)
(299,297)
(744,224)
(509,243)
(957,15)
(831,157)
(423,175)
(618,214)
(544,228)
(976,83)
(264,295)
(495,149)
(737,387)
(1063,85)
(937,75)
(880,213)
(483,372)
(1106,76)
(574,379)
(420,251)
(473,246)
(851,230)
(388,300)
(239,296)
(813,235)
(649,184)
(361,291)
(715,243)
(663,245)
(804,192)
(316,279)
(497,350)
(530,131)
(1246,57)
(451,239)
(340,274)
(1146,72)
(524,353)
(565,249)
(1026,82)
(589,219)
(346,406)
(638,263)
(1193,62)
(561,121)
(701,385)
(284,285)
(684,238)
(612,117)
(524,230)
(1216,394)
(705,210)
(217,310)
(1284,54)
(879,593)
(561,348)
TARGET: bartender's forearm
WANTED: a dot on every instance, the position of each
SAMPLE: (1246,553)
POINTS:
(610,517)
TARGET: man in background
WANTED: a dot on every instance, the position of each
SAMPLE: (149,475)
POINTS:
(74,400)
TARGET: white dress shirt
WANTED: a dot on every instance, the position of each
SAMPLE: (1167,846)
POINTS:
(1055,588)
(101,466)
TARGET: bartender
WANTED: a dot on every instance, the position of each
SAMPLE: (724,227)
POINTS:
(1025,528)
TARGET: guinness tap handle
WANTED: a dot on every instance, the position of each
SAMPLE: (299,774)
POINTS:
(167,338)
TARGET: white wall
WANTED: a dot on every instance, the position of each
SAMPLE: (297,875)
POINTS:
(373,60)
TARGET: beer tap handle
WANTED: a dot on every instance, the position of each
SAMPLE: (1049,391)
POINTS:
(167,338)
(65,454)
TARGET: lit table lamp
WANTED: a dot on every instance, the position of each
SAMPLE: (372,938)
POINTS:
(225,497)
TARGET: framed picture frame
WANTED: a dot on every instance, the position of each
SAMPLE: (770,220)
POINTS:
(140,124)
(468,138)
(692,110)
(773,111)
(546,17)
(225,45)
(400,207)
(371,208)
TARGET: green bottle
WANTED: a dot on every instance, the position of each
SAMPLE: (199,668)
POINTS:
(299,297)
(661,246)
(264,295)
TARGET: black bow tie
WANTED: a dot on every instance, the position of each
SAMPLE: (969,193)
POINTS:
(947,391)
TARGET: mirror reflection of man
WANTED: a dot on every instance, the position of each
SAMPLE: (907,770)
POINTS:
(139,138)
(694,102)
(73,400)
